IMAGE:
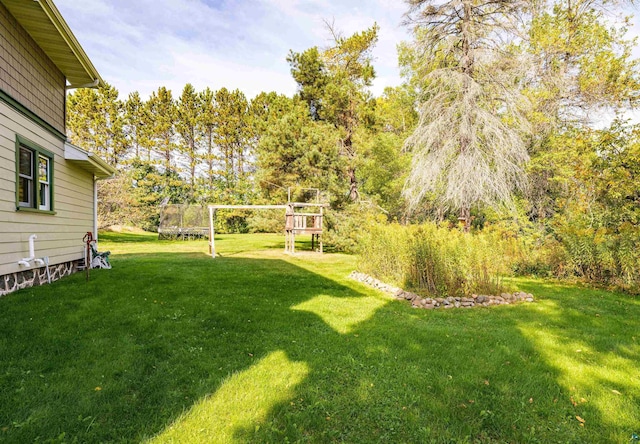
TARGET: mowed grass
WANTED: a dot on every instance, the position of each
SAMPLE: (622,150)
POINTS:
(259,347)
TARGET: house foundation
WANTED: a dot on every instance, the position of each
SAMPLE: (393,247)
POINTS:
(37,276)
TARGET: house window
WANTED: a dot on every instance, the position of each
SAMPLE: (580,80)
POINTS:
(44,172)
(25,182)
(35,177)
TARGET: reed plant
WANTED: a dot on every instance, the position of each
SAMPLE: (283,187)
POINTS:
(435,260)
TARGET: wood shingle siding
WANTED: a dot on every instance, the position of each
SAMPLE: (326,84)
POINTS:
(28,75)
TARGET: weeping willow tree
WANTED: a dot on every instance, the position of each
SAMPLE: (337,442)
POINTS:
(469,145)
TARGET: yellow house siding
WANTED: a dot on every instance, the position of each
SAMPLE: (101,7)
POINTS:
(28,75)
(60,235)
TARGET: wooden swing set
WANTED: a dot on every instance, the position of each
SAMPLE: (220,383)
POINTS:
(298,220)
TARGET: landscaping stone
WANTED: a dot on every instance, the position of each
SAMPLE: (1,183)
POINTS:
(429,303)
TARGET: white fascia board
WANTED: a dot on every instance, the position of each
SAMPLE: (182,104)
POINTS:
(88,161)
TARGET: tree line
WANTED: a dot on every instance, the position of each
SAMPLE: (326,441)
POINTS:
(499,115)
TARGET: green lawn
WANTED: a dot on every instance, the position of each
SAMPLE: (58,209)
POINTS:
(173,346)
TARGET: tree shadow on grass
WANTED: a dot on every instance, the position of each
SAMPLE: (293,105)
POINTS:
(120,357)
(437,377)
(592,337)
(181,347)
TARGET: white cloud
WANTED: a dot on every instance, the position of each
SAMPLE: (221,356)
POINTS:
(145,44)
(204,70)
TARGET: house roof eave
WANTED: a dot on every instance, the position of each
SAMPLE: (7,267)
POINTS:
(88,161)
(44,23)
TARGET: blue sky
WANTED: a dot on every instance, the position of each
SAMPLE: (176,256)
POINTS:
(139,45)
(143,44)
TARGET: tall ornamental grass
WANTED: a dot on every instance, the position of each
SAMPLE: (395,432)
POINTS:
(434,260)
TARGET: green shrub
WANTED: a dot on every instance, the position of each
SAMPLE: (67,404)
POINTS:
(231,221)
(530,249)
(627,257)
(545,257)
(603,255)
(266,221)
(583,246)
(344,229)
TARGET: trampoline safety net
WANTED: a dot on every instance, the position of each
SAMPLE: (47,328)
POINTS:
(183,222)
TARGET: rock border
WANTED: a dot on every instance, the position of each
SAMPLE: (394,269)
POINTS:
(418,301)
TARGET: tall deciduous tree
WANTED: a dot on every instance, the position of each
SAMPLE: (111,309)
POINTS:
(583,59)
(468,146)
(583,65)
(385,164)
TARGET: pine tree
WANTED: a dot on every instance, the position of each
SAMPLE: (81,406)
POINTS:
(334,84)
(162,114)
(231,136)
(468,147)
(96,122)
(207,121)
(137,125)
(188,109)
